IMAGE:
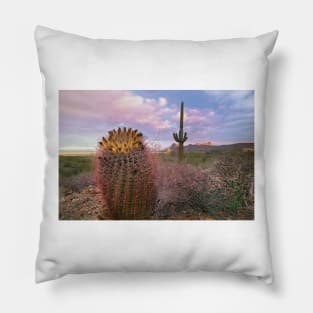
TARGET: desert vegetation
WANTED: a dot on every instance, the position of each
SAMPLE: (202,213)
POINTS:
(125,174)
(126,180)
(213,185)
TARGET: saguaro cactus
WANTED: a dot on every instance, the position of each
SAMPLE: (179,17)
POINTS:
(126,174)
(181,136)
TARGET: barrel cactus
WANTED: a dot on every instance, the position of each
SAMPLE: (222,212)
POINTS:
(126,174)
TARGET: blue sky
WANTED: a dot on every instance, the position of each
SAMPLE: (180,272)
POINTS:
(218,116)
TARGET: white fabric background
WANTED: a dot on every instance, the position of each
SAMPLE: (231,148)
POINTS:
(288,149)
(238,246)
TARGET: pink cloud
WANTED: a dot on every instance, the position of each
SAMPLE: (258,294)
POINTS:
(96,112)
(115,107)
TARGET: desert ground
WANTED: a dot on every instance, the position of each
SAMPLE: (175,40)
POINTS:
(209,185)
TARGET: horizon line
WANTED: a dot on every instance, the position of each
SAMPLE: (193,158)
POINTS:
(92,149)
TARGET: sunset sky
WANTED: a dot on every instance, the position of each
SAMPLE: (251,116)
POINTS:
(222,117)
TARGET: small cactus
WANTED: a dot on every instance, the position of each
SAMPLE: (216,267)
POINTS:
(126,174)
(181,136)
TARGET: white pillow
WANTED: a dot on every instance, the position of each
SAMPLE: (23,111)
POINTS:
(73,67)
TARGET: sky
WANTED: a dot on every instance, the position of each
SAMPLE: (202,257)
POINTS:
(218,116)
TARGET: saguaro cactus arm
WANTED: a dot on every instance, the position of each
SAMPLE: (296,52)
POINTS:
(181,136)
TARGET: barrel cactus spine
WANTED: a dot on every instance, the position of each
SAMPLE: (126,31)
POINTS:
(126,174)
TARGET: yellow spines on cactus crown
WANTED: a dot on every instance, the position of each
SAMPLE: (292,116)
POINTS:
(122,140)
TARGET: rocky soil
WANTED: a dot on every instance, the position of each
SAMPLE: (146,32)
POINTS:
(84,205)
(89,205)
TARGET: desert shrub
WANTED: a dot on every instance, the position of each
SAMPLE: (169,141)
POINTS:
(74,165)
(181,187)
(220,192)
(75,172)
(203,159)
(166,157)
(234,173)
(77,183)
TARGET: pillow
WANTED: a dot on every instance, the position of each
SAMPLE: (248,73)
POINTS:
(155,155)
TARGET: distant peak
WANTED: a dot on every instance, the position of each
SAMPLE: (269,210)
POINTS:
(203,144)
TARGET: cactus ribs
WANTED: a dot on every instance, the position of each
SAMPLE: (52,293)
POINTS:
(126,173)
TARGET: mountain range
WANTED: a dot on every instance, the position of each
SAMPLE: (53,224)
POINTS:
(208,146)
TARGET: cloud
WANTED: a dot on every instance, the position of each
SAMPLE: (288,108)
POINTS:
(232,99)
(193,116)
(114,107)
(162,101)
(217,116)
